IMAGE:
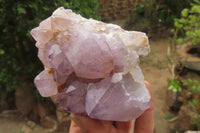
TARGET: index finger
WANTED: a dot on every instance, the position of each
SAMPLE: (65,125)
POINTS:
(145,123)
(74,128)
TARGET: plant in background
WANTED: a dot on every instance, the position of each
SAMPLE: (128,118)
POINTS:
(189,24)
(194,102)
(174,85)
(18,56)
(160,12)
(168,116)
(193,85)
(87,8)
(18,61)
(196,122)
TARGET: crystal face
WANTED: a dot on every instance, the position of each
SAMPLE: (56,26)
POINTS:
(46,84)
(123,100)
(73,99)
(91,67)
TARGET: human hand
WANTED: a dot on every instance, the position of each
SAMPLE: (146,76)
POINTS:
(143,124)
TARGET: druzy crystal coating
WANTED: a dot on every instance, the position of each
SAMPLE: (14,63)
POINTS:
(91,67)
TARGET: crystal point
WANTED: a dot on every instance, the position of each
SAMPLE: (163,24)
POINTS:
(46,84)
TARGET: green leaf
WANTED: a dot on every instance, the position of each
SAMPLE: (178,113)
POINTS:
(179,40)
(34,6)
(194,102)
(195,9)
(21,10)
(175,90)
(168,116)
(185,12)
(176,24)
(194,88)
(46,8)
(179,89)
(185,83)
(188,33)
(2,52)
(189,81)
(170,87)
(174,85)
(190,103)
(196,122)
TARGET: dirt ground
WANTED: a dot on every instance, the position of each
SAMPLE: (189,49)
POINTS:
(156,73)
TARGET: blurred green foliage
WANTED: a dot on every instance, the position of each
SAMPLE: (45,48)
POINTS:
(189,23)
(196,122)
(87,8)
(194,102)
(192,85)
(168,116)
(160,12)
(174,85)
(18,56)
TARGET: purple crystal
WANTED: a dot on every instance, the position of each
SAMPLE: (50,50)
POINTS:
(43,54)
(119,52)
(89,54)
(73,99)
(43,33)
(46,84)
(91,67)
(121,101)
(62,67)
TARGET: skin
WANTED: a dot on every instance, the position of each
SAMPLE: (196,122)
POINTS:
(143,124)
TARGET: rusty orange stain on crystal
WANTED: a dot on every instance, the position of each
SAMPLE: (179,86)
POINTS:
(50,70)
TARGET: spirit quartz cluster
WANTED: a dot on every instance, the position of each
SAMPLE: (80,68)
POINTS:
(91,67)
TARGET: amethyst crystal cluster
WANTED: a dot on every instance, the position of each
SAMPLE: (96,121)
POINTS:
(91,67)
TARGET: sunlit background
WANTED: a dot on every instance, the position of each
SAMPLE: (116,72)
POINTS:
(172,67)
